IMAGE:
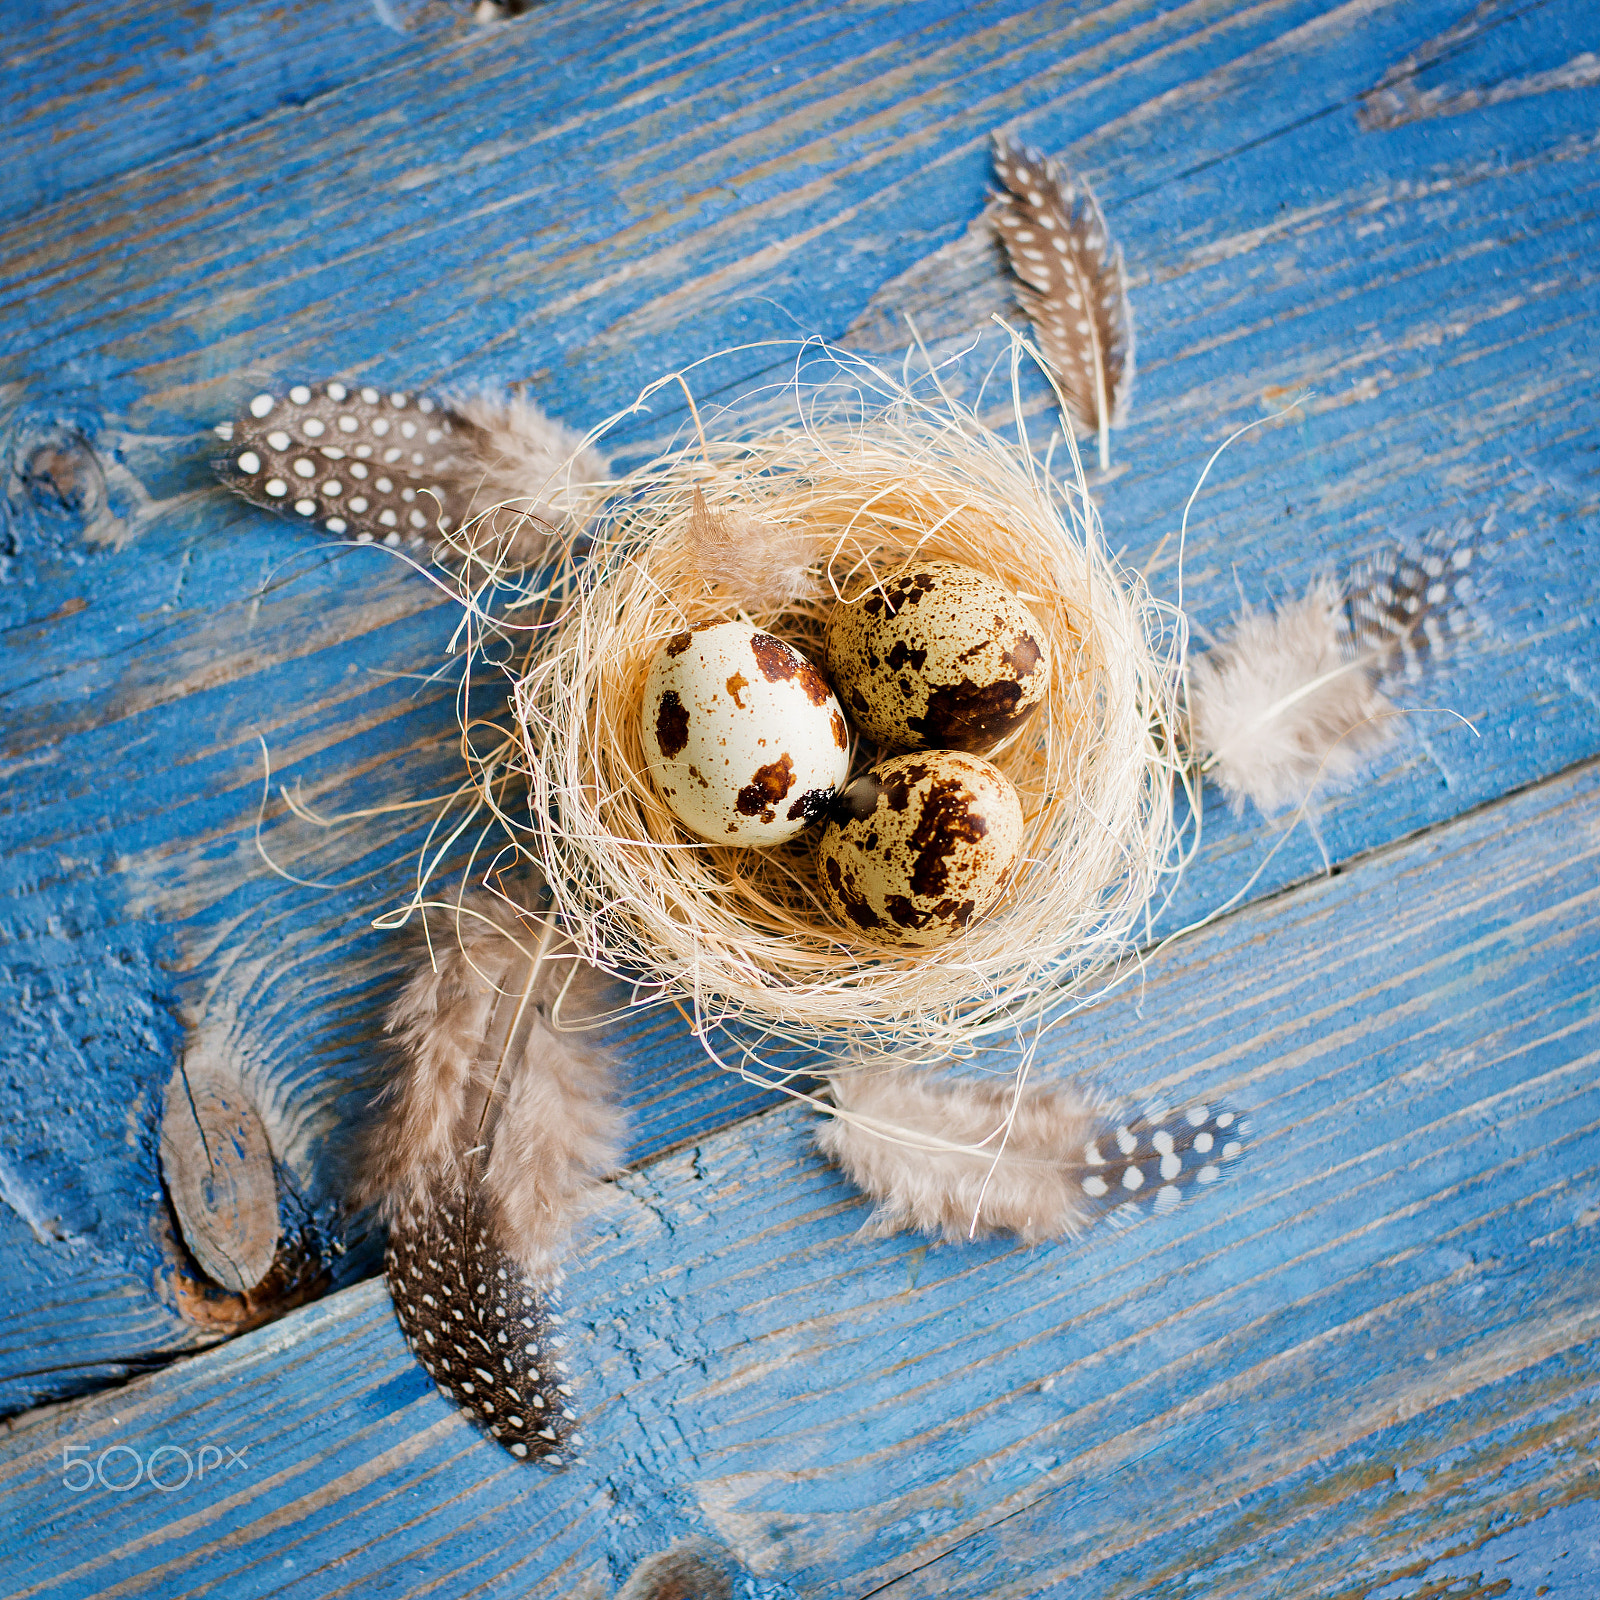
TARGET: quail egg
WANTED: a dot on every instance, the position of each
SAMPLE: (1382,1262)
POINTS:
(940,656)
(742,736)
(919,846)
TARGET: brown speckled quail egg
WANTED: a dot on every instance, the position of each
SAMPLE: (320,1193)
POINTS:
(939,656)
(743,738)
(919,846)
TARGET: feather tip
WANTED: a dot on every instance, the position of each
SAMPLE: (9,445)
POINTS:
(1071,284)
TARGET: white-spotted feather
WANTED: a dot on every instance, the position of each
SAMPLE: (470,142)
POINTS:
(492,1139)
(1294,698)
(1407,606)
(1071,284)
(971,1159)
(490,474)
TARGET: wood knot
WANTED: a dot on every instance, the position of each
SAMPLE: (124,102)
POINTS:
(697,1569)
(56,473)
(217,1163)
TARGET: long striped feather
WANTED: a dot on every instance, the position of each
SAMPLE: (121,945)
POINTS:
(1071,285)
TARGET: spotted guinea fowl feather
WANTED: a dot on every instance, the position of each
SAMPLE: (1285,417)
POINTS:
(486,475)
(1298,696)
(1071,284)
(487,1333)
(1407,606)
(970,1159)
(493,1137)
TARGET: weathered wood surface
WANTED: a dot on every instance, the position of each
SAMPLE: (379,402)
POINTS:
(1364,1366)
(87,95)
(217,1164)
(582,208)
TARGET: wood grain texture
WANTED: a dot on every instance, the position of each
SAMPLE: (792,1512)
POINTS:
(85,96)
(745,174)
(1368,1358)
(216,1162)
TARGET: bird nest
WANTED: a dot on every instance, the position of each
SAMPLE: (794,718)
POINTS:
(869,476)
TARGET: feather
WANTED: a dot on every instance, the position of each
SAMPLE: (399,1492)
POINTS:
(537,472)
(1071,285)
(486,475)
(1282,703)
(492,1139)
(933,1159)
(1409,605)
(486,1334)
(764,566)
(1292,698)
(696,1569)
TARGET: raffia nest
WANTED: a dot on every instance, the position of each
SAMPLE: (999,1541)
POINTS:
(738,938)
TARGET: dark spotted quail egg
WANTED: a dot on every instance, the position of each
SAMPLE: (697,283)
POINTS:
(940,656)
(919,846)
(743,738)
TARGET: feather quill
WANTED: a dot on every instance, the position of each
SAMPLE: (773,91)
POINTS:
(1071,284)
(1295,697)
(966,1160)
(492,1140)
(765,567)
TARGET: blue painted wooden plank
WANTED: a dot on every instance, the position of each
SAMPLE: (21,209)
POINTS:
(1499,1501)
(81,105)
(87,1326)
(1371,1352)
(421,225)
(81,102)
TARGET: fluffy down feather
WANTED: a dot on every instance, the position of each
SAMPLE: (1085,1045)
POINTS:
(535,471)
(1283,702)
(1066,1160)
(763,565)
(1292,698)
(498,1090)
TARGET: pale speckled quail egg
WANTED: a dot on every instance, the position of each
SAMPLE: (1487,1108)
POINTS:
(743,738)
(940,656)
(919,846)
